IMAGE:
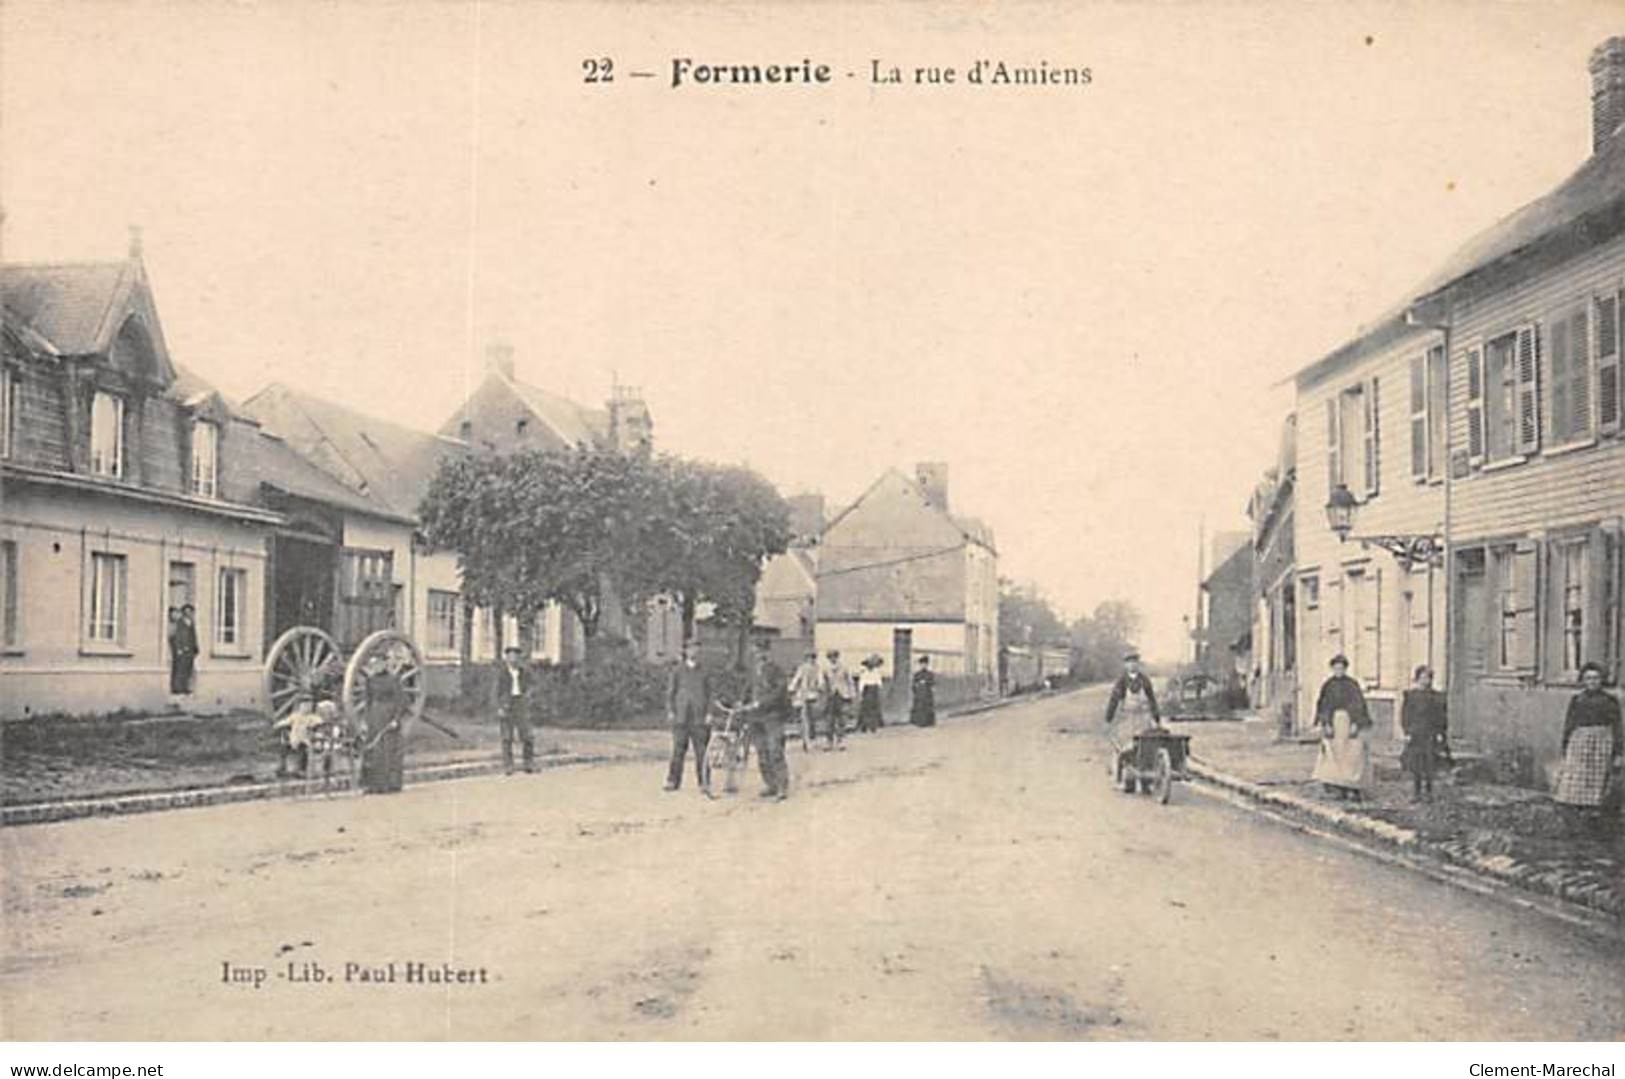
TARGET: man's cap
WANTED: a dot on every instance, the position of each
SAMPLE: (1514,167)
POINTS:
(1130,654)
(511,648)
(1339,658)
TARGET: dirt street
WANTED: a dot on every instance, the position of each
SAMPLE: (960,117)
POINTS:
(979,880)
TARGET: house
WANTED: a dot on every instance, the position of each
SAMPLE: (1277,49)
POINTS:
(504,414)
(127,486)
(1275,610)
(1224,636)
(1495,391)
(898,574)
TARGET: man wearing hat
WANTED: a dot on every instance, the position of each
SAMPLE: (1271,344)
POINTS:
(841,689)
(767,709)
(688,698)
(1133,697)
(510,691)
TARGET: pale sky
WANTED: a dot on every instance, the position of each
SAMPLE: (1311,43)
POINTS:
(1080,298)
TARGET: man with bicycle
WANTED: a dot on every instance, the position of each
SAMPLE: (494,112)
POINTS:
(767,711)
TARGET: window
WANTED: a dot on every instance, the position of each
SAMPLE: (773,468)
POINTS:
(1568,378)
(539,641)
(1608,384)
(1353,439)
(107,594)
(443,608)
(1571,609)
(1512,597)
(1579,608)
(107,435)
(8,411)
(229,606)
(1511,395)
(1428,413)
(8,593)
(1371,442)
(182,584)
(521,427)
(205,458)
(1363,626)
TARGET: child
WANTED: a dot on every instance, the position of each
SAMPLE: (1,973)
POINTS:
(296,727)
(1422,717)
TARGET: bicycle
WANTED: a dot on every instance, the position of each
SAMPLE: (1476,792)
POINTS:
(728,748)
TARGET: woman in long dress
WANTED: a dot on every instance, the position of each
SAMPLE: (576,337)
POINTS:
(1423,718)
(1592,744)
(922,707)
(870,683)
(1344,763)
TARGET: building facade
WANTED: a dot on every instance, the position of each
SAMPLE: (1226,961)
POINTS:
(900,576)
(1272,509)
(1476,432)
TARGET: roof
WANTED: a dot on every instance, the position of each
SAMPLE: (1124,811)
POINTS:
(388,464)
(971,528)
(572,423)
(65,303)
(1585,209)
(272,462)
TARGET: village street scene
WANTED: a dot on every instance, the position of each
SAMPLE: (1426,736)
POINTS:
(496,639)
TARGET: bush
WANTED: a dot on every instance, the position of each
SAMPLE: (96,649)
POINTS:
(617,689)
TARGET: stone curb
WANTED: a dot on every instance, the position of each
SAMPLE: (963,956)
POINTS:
(1498,868)
(156,801)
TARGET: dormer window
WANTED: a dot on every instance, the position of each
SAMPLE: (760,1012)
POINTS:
(521,427)
(107,435)
(465,431)
(205,458)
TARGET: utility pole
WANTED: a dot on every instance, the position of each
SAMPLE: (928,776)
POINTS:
(1201,574)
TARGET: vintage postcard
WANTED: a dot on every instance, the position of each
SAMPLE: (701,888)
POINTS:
(855,522)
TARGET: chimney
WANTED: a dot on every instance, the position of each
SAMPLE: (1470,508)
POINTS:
(932,476)
(1607,90)
(806,516)
(499,358)
(135,241)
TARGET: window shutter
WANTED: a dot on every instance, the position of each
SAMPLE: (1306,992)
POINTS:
(1580,375)
(1371,629)
(1608,402)
(1419,418)
(1551,628)
(1331,614)
(1526,584)
(1599,640)
(1475,406)
(1372,437)
(1334,444)
(1560,414)
(1527,362)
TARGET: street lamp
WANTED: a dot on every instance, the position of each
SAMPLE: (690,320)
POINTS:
(1408,548)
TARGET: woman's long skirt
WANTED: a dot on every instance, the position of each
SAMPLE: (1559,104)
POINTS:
(1584,778)
(1344,760)
(869,709)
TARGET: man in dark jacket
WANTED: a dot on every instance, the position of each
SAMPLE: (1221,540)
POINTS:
(182,649)
(769,707)
(688,698)
(510,691)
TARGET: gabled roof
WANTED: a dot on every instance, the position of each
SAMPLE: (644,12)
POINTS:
(77,308)
(271,462)
(970,528)
(572,423)
(387,463)
(1584,210)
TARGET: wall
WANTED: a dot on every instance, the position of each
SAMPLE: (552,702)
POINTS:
(944,642)
(1402,505)
(54,669)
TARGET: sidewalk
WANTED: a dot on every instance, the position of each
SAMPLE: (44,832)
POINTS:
(64,769)
(1508,834)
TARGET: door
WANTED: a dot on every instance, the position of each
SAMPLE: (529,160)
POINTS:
(902,660)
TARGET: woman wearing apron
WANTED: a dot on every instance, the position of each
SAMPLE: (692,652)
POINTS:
(1344,763)
(1133,700)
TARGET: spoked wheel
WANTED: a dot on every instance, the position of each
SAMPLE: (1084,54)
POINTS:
(1125,777)
(303,664)
(716,756)
(392,651)
(1162,779)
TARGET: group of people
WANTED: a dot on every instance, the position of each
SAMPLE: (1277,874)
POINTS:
(314,730)
(1591,748)
(818,694)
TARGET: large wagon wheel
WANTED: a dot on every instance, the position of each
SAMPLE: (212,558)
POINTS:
(303,663)
(390,650)
(1163,783)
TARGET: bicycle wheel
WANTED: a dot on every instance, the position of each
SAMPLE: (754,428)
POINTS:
(716,751)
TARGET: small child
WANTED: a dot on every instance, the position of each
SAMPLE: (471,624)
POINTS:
(296,727)
(1422,717)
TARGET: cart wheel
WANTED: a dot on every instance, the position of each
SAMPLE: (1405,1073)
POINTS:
(1125,778)
(303,663)
(1163,777)
(395,651)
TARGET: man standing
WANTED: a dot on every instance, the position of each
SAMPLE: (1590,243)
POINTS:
(806,687)
(838,683)
(512,692)
(688,698)
(768,709)
(182,650)
(1133,700)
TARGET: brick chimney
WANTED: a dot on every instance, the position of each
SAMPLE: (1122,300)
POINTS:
(499,358)
(1607,90)
(932,476)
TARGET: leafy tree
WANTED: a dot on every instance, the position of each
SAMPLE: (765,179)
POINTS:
(1103,637)
(1025,616)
